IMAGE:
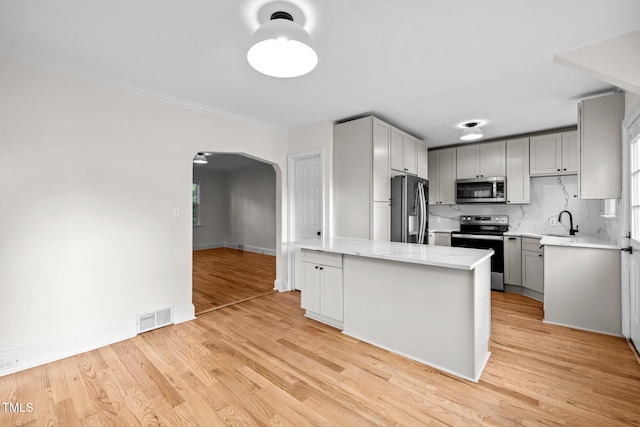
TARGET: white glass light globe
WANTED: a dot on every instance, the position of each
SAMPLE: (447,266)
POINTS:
(282,48)
(471,134)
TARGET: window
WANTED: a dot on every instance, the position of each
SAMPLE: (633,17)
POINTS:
(635,188)
(195,195)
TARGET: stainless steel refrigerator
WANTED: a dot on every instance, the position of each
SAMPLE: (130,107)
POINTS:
(409,209)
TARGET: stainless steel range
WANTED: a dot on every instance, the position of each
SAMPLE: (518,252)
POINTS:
(484,232)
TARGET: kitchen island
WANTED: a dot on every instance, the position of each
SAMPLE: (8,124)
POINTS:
(428,303)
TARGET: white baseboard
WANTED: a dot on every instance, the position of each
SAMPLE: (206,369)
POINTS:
(184,313)
(242,247)
(597,331)
(248,248)
(208,246)
(19,359)
(38,354)
(280,285)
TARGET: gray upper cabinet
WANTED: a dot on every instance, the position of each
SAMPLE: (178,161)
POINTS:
(600,138)
(518,179)
(554,154)
(481,160)
(404,152)
(442,176)
(423,162)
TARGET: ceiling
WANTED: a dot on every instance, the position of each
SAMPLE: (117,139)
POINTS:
(425,66)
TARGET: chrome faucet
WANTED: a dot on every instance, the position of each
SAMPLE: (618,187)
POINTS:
(572,232)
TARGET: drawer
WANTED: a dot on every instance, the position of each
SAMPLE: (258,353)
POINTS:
(319,257)
(531,244)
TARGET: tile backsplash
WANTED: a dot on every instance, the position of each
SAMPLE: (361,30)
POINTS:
(549,196)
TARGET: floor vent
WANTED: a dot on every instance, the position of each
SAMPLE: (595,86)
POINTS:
(156,319)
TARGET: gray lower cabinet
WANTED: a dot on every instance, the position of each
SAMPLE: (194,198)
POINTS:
(524,266)
(441,238)
(532,267)
(513,260)
(322,286)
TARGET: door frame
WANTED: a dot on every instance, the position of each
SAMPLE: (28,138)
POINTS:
(625,217)
(293,253)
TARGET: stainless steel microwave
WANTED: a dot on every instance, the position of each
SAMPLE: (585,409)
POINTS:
(481,190)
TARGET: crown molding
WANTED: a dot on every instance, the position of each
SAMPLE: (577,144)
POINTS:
(95,77)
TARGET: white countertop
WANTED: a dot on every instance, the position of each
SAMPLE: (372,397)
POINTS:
(579,242)
(524,234)
(575,241)
(439,256)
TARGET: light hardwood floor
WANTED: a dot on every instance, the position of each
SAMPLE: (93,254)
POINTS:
(262,363)
(225,276)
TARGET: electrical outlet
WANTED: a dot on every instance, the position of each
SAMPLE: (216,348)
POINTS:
(553,221)
(438,219)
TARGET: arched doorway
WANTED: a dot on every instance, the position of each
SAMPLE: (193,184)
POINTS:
(235,220)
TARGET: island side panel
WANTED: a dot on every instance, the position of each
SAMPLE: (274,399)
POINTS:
(423,312)
(482,314)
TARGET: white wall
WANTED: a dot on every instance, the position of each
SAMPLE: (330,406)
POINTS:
(214,209)
(237,208)
(252,209)
(89,178)
(630,99)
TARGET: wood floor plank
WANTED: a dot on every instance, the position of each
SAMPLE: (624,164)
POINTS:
(225,276)
(262,362)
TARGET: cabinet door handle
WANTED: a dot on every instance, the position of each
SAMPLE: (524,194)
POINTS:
(512,238)
(323,268)
(316,267)
(538,255)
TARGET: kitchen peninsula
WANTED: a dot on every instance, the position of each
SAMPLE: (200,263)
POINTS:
(428,303)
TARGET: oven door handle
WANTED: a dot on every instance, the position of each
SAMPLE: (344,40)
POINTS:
(476,236)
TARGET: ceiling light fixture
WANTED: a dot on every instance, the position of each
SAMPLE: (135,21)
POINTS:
(472,132)
(282,48)
(200,159)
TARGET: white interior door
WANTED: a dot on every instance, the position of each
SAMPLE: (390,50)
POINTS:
(308,198)
(306,207)
(633,215)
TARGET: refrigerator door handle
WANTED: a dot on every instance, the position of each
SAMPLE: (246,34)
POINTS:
(425,215)
(420,196)
(405,212)
(425,218)
(420,213)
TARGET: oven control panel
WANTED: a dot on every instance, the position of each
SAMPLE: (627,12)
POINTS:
(484,219)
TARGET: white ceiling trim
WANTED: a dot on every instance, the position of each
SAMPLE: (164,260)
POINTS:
(47,63)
